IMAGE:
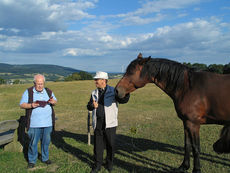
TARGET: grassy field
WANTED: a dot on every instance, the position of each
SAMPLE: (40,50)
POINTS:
(149,137)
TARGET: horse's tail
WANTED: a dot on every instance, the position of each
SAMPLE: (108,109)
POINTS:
(222,145)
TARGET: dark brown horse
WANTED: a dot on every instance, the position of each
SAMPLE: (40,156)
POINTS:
(199,98)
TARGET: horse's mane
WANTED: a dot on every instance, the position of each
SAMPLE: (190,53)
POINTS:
(171,73)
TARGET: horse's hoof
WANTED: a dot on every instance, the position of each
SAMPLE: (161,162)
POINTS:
(196,171)
(179,170)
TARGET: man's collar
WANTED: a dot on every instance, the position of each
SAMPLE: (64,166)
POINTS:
(102,89)
(34,90)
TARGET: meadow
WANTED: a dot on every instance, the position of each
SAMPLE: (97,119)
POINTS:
(150,136)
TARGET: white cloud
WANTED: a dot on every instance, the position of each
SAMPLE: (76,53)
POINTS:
(106,38)
(10,43)
(152,11)
(198,38)
(32,17)
(47,35)
(159,5)
(70,51)
(156,6)
(188,39)
(71,10)
(33,28)
(7,1)
(138,20)
(82,52)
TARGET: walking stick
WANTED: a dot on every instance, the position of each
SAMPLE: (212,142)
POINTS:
(88,127)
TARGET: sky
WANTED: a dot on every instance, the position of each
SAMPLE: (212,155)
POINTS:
(106,35)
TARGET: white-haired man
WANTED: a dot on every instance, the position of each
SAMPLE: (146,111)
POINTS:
(105,110)
(40,118)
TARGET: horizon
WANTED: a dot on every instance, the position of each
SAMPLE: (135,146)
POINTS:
(106,71)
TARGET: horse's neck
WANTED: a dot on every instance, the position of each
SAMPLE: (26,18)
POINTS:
(163,87)
(173,89)
(160,84)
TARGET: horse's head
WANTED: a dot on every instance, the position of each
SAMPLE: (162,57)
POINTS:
(132,79)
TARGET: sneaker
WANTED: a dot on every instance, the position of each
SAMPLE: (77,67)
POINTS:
(48,162)
(31,165)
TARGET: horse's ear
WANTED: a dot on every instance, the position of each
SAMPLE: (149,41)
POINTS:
(144,60)
(139,56)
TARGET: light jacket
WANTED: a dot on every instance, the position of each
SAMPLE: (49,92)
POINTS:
(110,106)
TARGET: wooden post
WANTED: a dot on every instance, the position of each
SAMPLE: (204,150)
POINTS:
(88,127)
(7,129)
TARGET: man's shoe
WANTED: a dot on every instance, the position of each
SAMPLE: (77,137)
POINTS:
(31,165)
(96,169)
(109,168)
(48,162)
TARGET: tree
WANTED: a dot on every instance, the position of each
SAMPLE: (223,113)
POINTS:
(85,76)
(17,81)
(74,76)
(188,64)
(216,68)
(79,76)
(2,81)
(226,69)
(199,66)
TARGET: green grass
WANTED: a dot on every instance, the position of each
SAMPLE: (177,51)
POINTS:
(149,136)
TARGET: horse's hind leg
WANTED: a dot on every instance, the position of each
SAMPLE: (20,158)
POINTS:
(223,144)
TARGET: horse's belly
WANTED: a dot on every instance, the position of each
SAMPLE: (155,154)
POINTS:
(219,115)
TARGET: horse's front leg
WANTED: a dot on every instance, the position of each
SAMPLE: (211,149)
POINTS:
(195,140)
(187,150)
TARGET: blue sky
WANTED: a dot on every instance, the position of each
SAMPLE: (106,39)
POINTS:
(107,35)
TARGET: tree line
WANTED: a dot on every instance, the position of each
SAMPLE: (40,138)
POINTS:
(74,76)
(82,75)
(216,68)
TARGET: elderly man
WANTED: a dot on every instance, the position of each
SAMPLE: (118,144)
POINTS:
(38,103)
(105,110)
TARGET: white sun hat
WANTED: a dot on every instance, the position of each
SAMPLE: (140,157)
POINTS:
(101,75)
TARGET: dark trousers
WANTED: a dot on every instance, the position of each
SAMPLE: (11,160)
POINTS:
(104,138)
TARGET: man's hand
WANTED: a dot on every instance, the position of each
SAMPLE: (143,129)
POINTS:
(52,101)
(29,105)
(95,104)
(34,104)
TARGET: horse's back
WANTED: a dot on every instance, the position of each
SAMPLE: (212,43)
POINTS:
(212,83)
(209,97)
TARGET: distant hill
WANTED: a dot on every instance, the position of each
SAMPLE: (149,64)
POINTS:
(36,68)
(26,72)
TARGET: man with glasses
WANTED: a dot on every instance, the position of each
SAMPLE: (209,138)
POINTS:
(40,118)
